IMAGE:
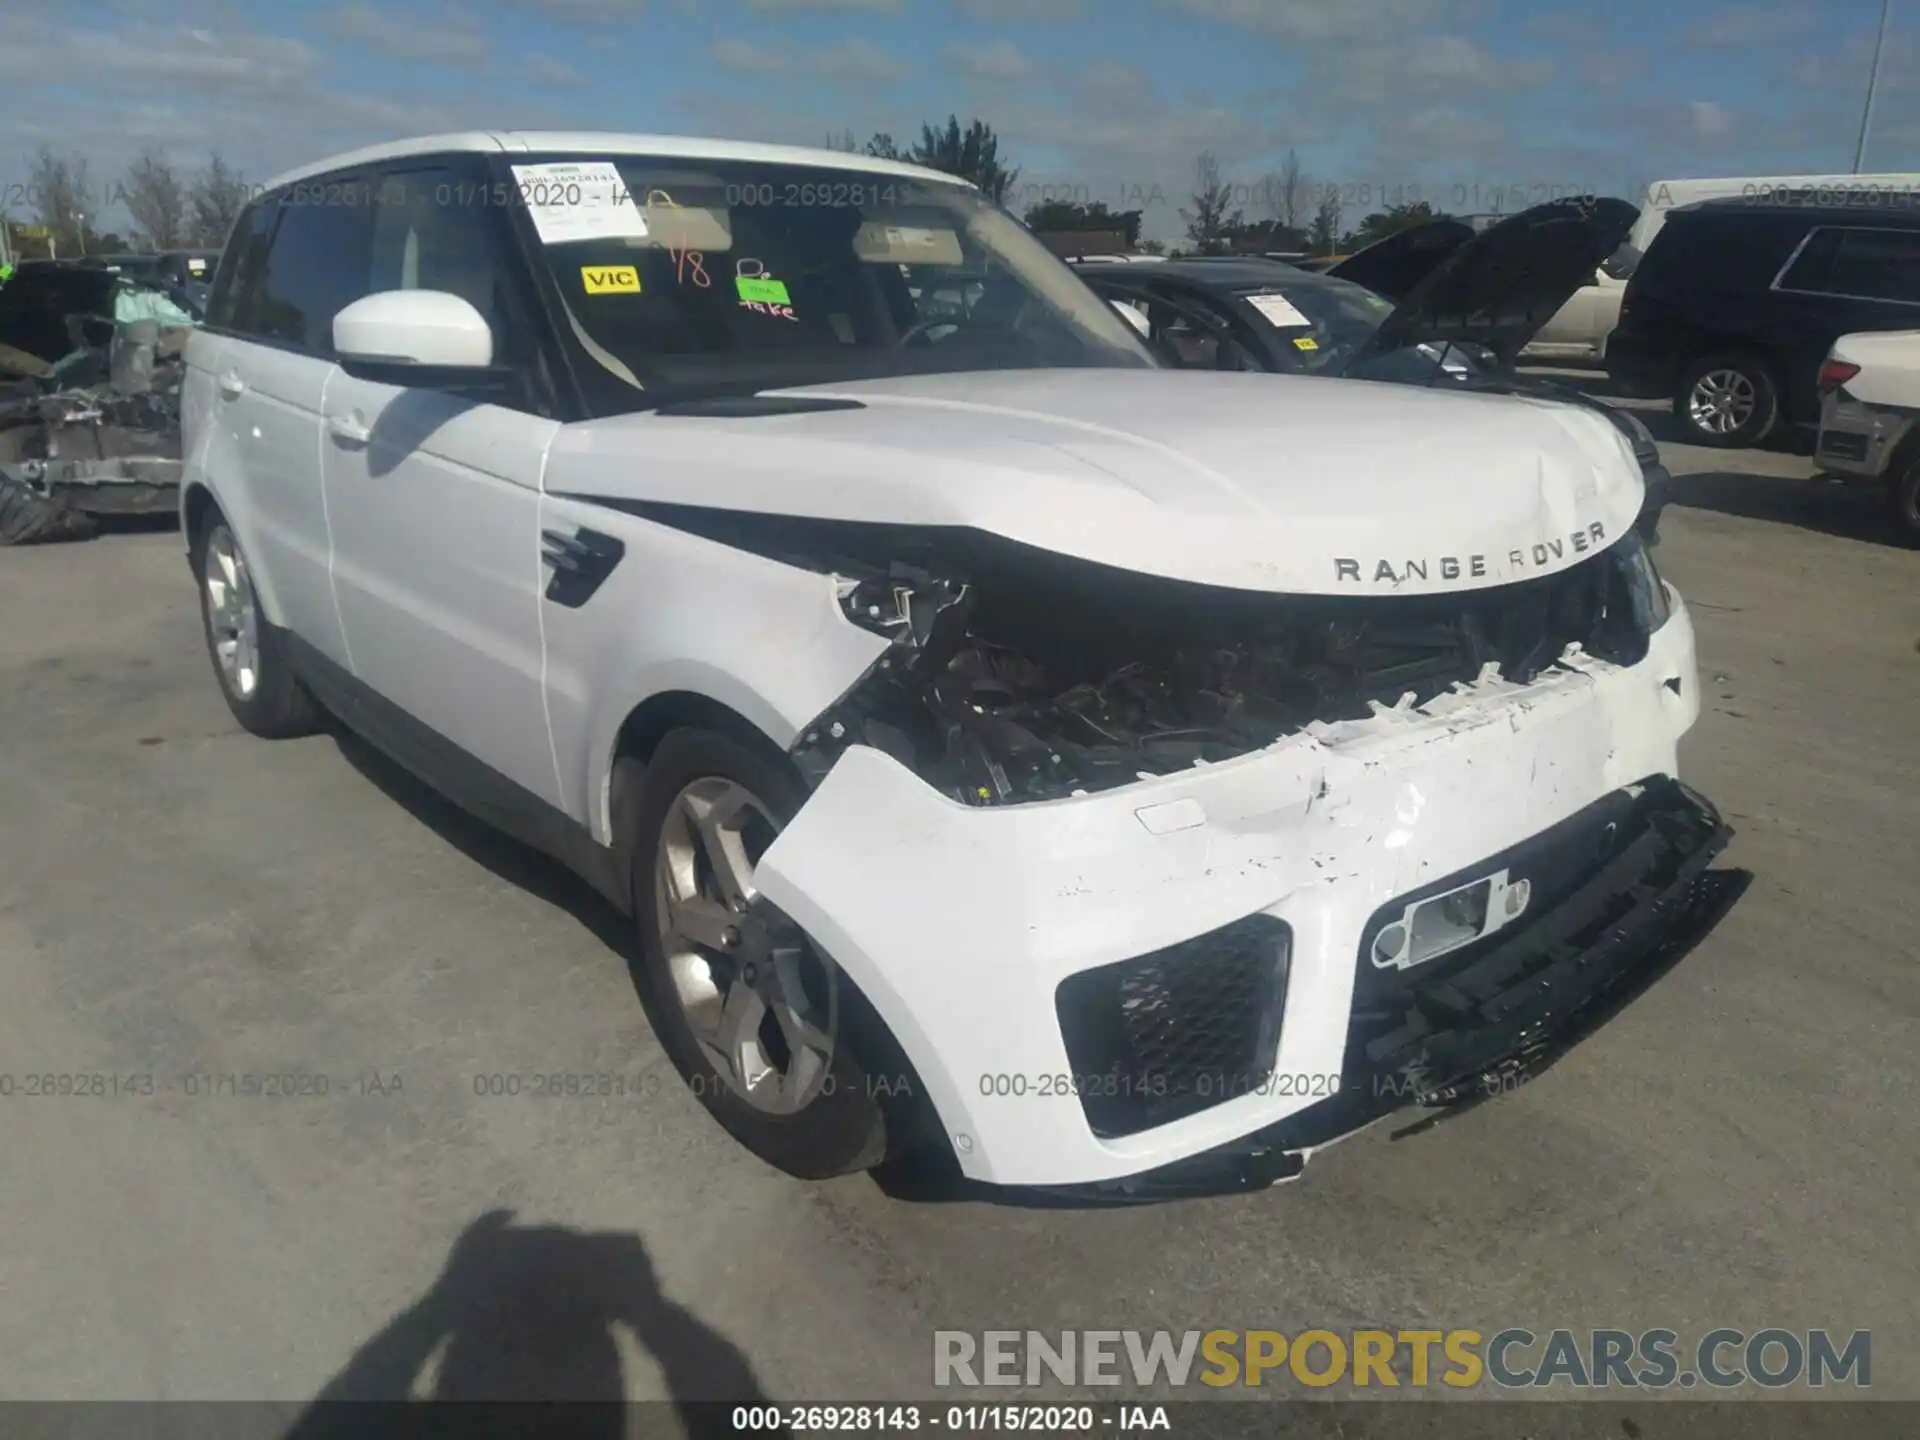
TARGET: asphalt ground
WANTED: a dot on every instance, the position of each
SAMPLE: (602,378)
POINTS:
(180,900)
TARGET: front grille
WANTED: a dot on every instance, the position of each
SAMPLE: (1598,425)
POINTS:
(1841,445)
(1168,1034)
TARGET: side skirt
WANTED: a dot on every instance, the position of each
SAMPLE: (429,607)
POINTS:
(474,786)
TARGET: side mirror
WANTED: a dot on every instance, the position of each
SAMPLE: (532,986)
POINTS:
(425,338)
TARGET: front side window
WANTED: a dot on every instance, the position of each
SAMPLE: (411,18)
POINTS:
(317,264)
(695,274)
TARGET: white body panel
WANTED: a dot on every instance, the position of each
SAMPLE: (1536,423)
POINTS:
(436,564)
(1578,330)
(1316,830)
(1889,362)
(1256,482)
(260,433)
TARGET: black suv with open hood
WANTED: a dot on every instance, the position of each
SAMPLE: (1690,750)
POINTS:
(1437,304)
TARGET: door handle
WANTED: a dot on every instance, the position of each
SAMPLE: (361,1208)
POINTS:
(349,429)
(232,386)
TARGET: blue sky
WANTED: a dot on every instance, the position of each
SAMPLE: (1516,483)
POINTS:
(1474,103)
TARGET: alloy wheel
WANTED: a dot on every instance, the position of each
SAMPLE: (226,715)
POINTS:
(233,614)
(761,1002)
(1722,401)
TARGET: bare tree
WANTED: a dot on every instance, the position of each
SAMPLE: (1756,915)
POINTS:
(1213,213)
(216,197)
(1290,193)
(62,198)
(1323,236)
(156,197)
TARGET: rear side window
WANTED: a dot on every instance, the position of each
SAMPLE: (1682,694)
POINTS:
(316,265)
(1878,265)
(1727,254)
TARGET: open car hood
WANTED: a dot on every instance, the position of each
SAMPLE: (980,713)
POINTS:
(1494,289)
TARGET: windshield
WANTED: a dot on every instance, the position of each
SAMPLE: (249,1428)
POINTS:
(684,275)
(1322,323)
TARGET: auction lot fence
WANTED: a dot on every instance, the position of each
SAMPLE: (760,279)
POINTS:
(1200,1420)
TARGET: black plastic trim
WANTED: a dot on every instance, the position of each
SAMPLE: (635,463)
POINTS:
(581,563)
(467,782)
(1652,899)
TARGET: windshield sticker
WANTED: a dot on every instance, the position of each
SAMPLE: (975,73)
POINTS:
(580,200)
(761,288)
(690,268)
(1305,342)
(610,279)
(1277,310)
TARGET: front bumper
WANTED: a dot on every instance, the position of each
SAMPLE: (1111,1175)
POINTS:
(1857,440)
(969,928)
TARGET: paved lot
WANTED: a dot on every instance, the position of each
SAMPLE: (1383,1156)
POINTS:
(178,899)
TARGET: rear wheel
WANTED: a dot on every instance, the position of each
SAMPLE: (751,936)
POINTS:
(249,654)
(1727,401)
(758,1020)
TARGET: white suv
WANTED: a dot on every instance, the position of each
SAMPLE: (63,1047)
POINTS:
(1115,779)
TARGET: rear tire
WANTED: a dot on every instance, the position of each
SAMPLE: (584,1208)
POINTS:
(249,654)
(761,1025)
(1728,401)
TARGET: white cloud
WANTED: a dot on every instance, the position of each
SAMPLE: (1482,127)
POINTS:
(852,59)
(745,56)
(1316,20)
(879,7)
(1734,27)
(1000,60)
(446,38)
(856,59)
(1013,12)
(545,70)
(1710,120)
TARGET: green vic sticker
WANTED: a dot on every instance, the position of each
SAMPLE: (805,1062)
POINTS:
(767,292)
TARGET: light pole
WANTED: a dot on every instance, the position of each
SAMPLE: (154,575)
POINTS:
(1873,85)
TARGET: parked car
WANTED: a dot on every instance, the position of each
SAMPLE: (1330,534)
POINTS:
(1737,303)
(1122,781)
(1870,417)
(1577,334)
(1441,304)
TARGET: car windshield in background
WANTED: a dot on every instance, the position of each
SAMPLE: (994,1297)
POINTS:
(1322,323)
(682,275)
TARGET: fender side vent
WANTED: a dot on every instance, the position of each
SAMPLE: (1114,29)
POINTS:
(580,562)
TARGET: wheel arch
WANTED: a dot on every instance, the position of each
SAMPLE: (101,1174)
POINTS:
(197,502)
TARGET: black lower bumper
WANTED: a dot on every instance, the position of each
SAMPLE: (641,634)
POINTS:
(1624,894)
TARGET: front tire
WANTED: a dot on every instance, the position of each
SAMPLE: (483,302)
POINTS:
(249,654)
(1728,401)
(757,1019)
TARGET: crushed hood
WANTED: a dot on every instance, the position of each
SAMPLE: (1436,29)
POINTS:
(1284,484)
(1496,288)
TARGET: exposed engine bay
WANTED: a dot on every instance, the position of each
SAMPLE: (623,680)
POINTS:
(1069,678)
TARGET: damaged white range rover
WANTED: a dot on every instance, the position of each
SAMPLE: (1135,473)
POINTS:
(1121,780)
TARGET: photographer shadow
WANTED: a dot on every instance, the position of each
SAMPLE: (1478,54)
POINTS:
(518,1336)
